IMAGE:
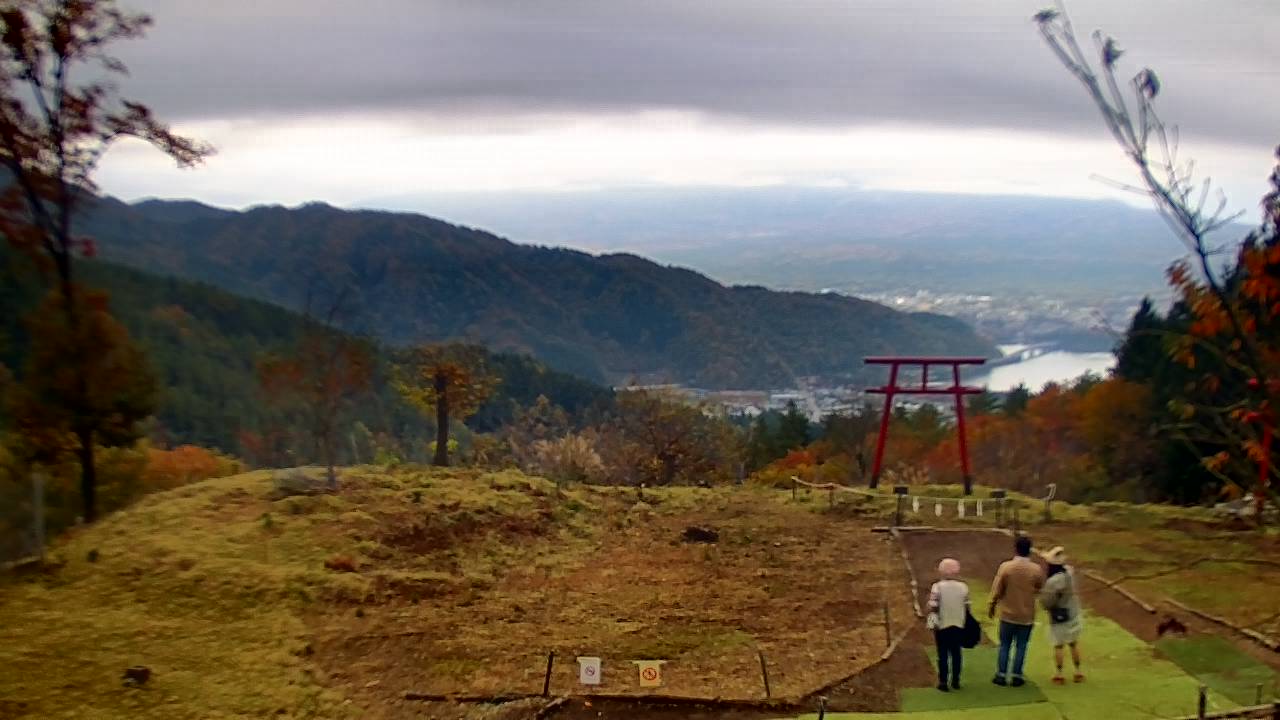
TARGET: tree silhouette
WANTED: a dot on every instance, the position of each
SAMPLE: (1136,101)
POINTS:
(1232,334)
(53,132)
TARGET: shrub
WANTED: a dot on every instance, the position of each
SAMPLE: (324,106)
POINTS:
(185,464)
(571,458)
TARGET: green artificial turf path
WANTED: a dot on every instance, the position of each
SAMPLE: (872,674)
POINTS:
(1126,680)
(977,690)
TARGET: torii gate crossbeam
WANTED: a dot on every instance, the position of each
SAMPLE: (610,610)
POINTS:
(893,388)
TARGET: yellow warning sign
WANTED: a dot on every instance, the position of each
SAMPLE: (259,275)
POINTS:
(650,672)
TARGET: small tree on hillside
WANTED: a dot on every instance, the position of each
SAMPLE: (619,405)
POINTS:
(661,440)
(54,414)
(53,132)
(450,380)
(324,376)
(793,429)
(852,434)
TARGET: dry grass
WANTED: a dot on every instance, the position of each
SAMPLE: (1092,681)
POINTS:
(462,581)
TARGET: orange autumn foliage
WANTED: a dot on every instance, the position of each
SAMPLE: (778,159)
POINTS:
(184,464)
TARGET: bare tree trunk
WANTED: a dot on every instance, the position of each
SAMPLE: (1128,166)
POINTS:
(88,475)
(668,469)
(442,422)
(327,449)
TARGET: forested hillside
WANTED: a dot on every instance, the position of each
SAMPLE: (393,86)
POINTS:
(610,318)
(204,345)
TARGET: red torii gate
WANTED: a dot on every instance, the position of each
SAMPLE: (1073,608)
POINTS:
(957,390)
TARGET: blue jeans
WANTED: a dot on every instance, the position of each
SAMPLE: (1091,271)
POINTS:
(1011,633)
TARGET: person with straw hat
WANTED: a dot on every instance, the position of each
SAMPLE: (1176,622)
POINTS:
(948,610)
(1062,602)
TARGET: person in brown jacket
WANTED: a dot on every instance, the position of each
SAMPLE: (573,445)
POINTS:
(1014,592)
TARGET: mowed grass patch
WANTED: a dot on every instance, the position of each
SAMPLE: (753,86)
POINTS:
(1156,556)
(1220,665)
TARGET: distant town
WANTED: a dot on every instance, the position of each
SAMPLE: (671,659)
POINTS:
(813,399)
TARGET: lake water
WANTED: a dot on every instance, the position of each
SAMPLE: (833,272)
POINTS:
(1055,366)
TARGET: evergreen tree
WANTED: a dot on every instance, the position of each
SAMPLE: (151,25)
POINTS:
(793,429)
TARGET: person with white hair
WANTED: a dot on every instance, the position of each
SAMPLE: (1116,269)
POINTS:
(1062,602)
(948,610)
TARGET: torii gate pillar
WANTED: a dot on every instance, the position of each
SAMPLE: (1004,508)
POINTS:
(956,390)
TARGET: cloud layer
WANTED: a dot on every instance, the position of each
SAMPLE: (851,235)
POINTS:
(795,62)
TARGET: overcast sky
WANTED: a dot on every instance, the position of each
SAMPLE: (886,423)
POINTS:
(339,101)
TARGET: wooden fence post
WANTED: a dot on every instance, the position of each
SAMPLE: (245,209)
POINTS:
(888,625)
(764,672)
(900,492)
(546,683)
(37,511)
(999,496)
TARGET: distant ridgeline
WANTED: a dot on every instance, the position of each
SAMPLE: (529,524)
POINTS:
(609,318)
(203,344)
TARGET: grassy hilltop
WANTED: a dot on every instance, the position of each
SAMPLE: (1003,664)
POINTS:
(456,581)
(451,581)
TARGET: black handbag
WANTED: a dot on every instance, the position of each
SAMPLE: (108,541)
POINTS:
(1062,613)
(972,634)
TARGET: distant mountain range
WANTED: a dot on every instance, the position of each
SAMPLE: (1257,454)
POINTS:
(1024,269)
(611,318)
(852,240)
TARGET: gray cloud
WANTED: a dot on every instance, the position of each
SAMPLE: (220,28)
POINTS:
(978,63)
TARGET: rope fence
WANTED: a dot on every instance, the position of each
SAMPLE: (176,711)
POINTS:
(1005,508)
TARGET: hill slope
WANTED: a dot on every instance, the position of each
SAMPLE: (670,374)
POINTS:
(204,344)
(453,582)
(609,317)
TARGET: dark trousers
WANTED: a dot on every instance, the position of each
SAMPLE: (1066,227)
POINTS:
(948,641)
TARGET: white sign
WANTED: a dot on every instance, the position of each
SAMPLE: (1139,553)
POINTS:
(589,670)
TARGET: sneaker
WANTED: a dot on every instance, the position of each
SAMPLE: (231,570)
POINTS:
(955,684)
(999,680)
(942,686)
(1058,680)
(1017,682)
(1079,678)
